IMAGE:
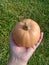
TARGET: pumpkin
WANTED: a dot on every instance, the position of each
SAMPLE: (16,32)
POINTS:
(26,33)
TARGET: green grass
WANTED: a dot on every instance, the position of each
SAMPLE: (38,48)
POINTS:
(11,12)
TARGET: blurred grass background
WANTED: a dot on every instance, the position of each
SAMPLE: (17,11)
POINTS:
(11,12)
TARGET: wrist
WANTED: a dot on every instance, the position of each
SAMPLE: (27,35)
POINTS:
(16,61)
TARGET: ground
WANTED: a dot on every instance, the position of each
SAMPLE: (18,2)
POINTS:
(13,11)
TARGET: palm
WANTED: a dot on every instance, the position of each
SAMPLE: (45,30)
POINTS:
(22,52)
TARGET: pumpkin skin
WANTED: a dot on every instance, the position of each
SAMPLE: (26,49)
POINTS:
(26,35)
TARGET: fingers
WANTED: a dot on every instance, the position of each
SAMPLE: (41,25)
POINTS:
(14,46)
(11,40)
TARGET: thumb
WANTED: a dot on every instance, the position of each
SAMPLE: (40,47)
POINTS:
(28,53)
(31,50)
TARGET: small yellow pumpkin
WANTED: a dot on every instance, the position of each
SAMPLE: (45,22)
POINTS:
(26,33)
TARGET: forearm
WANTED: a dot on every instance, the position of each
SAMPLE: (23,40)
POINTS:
(14,61)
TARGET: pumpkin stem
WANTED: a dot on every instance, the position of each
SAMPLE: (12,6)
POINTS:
(26,26)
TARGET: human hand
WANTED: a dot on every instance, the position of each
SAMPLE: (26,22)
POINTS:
(23,54)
